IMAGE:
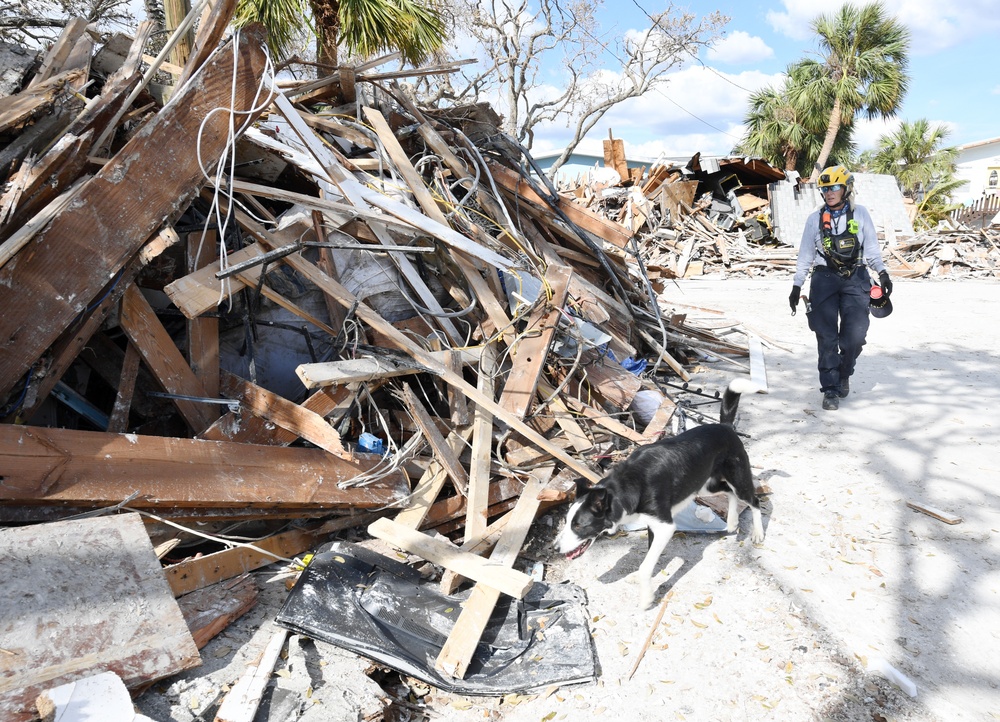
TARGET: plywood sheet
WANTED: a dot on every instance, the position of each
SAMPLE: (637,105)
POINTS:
(80,597)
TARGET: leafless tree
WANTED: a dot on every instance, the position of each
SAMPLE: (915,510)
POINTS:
(35,23)
(520,39)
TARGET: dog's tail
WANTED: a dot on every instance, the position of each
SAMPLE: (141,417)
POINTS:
(731,398)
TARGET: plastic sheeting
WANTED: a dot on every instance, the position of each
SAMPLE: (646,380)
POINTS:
(383,610)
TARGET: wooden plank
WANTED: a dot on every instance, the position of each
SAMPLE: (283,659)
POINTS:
(567,422)
(609,379)
(58,54)
(482,449)
(371,365)
(152,177)
(443,453)
(203,332)
(403,342)
(455,508)
(197,573)
(290,416)
(614,233)
(210,610)
(507,581)
(758,370)
(598,417)
(530,353)
(162,357)
(457,652)
(69,346)
(118,421)
(200,291)
(89,468)
(247,428)
(944,516)
(426,490)
(97,590)
(241,704)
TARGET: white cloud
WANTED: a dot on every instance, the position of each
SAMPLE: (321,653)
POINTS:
(698,110)
(933,25)
(739,48)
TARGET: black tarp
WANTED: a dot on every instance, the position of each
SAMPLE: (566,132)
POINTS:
(384,610)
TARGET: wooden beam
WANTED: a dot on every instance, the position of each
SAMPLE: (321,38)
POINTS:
(457,652)
(530,353)
(118,421)
(426,490)
(140,324)
(203,332)
(242,701)
(403,342)
(442,451)
(89,468)
(510,181)
(210,610)
(247,428)
(482,449)
(290,416)
(198,573)
(507,581)
(120,207)
(371,365)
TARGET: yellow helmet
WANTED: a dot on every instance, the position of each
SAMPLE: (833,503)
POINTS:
(836,175)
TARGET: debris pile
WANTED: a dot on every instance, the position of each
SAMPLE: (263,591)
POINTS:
(276,311)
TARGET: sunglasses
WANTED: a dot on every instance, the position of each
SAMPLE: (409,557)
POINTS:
(838,187)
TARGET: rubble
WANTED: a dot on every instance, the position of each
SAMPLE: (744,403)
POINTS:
(282,312)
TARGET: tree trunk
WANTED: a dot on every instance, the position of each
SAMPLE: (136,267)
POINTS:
(327,16)
(831,135)
(791,159)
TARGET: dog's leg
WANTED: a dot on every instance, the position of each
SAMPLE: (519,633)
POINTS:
(733,517)
(660,534)
(757,535)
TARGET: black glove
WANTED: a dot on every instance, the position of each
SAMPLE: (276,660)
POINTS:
(793,298)
(885,283)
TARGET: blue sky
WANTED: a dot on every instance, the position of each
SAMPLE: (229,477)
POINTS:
(953,51)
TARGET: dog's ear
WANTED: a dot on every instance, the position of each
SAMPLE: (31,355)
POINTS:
(582,486)
(597,499)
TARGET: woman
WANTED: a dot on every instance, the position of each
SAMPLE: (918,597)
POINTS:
(838,242)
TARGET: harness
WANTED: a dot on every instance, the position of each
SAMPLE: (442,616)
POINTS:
(842,251)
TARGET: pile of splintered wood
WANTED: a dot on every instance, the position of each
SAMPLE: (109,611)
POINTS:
(687,219)
(949,253)
(459,340)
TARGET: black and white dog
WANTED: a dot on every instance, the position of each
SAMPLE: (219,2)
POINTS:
(658,480)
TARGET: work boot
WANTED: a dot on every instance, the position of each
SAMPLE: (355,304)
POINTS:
(845,387)
(831,401)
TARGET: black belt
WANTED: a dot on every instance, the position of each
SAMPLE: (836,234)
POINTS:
(834,271)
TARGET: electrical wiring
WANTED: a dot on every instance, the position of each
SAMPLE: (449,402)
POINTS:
(228,543)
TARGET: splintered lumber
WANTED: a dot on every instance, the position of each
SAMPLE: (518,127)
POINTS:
(465,635)
(426,491)
(210,610)
(241,704)
(57,275)
(371,364)
(482,449)
(118,421)
(247,428)
(200,572)
(607,230)
(280,411)
(344,297)
(89,468)
(442,451)
(163,358)
(944,516)
(82,597)
(532,350)
(505,580)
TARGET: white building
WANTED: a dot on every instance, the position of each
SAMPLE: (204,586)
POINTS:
(978,164)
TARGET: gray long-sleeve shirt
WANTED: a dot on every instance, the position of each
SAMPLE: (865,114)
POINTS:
(811,246)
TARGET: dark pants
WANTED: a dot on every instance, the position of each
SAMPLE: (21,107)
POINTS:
(840,320)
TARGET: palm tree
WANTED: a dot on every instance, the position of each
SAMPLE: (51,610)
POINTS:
(924,170)
(784,125)
(913,154)
(863,69)
(366,27)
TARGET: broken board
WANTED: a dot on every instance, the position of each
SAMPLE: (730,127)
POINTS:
(82,597)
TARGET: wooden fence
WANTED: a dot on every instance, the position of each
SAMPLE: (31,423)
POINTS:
(979,214)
